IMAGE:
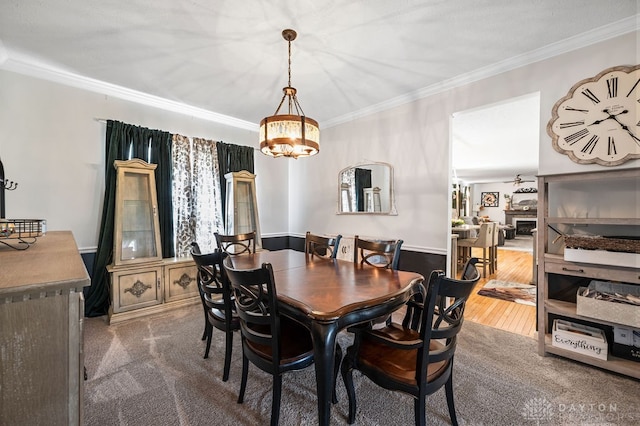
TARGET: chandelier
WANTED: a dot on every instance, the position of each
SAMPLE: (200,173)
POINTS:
(291,134)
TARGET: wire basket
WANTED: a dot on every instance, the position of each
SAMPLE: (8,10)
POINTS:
(21,233)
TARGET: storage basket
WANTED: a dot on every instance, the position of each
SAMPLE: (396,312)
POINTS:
(595,242)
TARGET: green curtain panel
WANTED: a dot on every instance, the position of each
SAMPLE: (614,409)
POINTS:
(153,146)
(232,158)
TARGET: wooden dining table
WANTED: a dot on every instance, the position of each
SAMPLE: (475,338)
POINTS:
(329,295)
(464,231)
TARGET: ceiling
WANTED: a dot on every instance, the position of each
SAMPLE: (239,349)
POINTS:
(495,142)
(352,57)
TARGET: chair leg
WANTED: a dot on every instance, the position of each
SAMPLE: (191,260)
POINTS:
(208,331)
(275,401)
(243,381)
(347,377)
(448,387)
(484,262)
(227,355)
(206,319)
(495,258)
(420,411)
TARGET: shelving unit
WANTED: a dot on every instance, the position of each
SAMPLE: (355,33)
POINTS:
(595,203)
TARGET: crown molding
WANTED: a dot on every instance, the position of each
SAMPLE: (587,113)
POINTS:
(588,38)
(10,62)
(28,67)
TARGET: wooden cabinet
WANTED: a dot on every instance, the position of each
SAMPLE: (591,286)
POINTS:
(142,282)
(140,290)
(241,215)
(41,313)
(593,203)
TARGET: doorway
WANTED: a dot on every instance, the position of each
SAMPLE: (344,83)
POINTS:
(492,145)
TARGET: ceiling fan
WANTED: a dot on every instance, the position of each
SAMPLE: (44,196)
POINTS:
(518,181)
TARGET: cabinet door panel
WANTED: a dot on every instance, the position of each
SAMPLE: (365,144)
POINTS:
(180,282)
(137,289)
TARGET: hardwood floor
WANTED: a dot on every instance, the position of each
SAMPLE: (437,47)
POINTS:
(515,266)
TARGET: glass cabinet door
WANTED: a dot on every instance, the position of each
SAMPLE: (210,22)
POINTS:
(241,214)
(136,233)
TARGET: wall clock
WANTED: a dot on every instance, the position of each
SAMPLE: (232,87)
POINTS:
(598,121)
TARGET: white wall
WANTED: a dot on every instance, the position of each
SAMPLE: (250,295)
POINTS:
(496,214)
(53,147)
(415,139)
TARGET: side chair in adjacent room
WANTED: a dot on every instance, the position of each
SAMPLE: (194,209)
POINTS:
(484,241)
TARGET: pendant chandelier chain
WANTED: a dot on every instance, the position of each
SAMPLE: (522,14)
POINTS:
(289,63)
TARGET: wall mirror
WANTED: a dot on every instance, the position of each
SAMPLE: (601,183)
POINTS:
(366,189)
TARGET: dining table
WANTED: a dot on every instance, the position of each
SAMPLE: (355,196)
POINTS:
(327,296)
(464,231)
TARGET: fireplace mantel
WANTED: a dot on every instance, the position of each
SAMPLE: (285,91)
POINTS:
(509,215)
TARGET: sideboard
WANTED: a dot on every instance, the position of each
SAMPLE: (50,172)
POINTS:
(41,311)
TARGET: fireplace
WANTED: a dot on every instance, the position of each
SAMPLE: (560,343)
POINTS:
(524,226)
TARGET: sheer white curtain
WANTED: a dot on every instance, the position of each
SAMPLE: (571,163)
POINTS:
(196,194)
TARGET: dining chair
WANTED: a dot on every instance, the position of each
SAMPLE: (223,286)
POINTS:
(217,301)
(483,241)
(237,244)
(415,357)
(195,248)
(380,254)
(320,246)
(272,342)
(471,220)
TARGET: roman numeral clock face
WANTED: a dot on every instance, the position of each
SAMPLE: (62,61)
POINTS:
(599,119)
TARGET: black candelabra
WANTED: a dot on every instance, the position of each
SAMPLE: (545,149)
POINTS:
(4,185)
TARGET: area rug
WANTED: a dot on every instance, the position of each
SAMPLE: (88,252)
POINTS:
(513,292)
(150,371)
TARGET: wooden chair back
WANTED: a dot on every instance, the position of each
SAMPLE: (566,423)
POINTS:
(212,281)
(273,343)
(442,321)
(417,356)
(320,246)
(380,254)
(485,235)
(237,244)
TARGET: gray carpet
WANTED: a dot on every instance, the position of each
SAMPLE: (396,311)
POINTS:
(150,371)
